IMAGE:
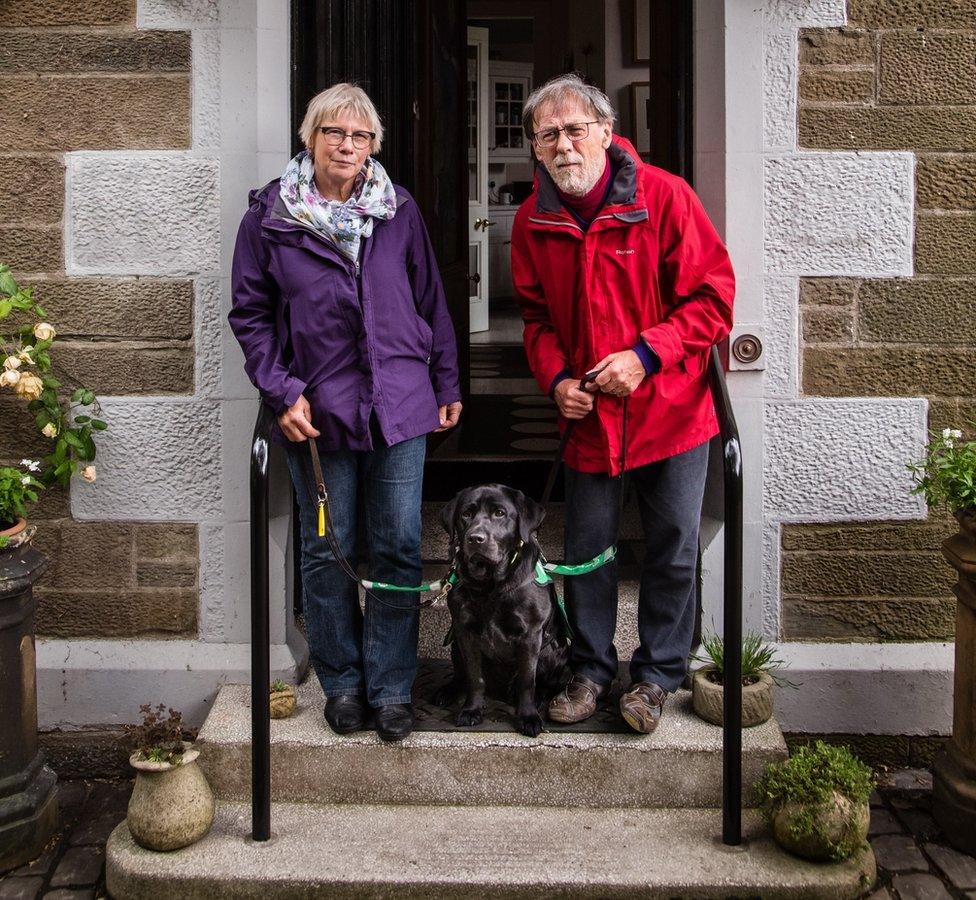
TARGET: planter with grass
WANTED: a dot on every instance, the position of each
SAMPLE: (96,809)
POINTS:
(172,805)
(758,664)
(816,802)
(282,700)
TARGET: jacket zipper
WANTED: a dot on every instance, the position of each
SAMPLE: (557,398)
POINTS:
(556,222)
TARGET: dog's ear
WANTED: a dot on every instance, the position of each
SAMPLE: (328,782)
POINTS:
(531,515)
(447,515)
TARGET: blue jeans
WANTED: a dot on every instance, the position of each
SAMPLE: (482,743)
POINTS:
(669,498)
(372,653)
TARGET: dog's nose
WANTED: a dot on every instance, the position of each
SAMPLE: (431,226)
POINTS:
(476,537)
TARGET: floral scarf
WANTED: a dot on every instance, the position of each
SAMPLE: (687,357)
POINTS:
(346,224)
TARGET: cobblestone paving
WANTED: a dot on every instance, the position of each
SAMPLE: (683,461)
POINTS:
(915,862)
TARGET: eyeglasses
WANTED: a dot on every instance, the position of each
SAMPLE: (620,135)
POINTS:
(335,136)
(575,131)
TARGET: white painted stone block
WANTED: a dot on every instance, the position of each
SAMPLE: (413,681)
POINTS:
(831,460)
(839,214)
(779,90)
(158,461)
(786,13)
(208,323)
(142,214)
(206,88)
(771,552)
(781,302)
(177,13)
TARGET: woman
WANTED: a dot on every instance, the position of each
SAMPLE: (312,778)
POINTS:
(339,308)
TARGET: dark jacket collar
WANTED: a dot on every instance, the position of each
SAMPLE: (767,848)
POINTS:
(623,191)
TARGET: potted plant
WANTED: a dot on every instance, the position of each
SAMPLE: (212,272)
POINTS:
(759,663)
(283,699)
(946,476)
(172,805)
(816,802)
(18,487)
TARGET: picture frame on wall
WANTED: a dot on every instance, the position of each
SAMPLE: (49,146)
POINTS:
(642,31)
(640,93)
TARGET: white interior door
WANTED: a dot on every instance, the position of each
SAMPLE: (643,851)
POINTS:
(478,177)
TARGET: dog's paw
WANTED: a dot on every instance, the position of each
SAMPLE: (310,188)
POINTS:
(470,716)
(530,725)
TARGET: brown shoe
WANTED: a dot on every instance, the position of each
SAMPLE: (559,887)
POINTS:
(643,705)
(577,701)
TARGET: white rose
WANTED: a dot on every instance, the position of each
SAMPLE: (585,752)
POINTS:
(89,474)
(9,377)
(11,362)
(50,430)
(25,355)
(44,331)
(29,386)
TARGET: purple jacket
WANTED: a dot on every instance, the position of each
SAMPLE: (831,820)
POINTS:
(310,322)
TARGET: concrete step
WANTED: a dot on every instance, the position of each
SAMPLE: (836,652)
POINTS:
(457,851)
(680,765)
(435,621)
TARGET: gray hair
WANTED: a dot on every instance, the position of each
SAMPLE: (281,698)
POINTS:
(343,97)
(556,91)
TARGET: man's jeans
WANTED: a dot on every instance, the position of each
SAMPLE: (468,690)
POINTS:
(373,654)
(669,497)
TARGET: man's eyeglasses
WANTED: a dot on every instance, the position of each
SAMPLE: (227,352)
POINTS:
(575,131)
(335,136)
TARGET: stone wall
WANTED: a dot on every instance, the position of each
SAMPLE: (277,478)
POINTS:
(77,77)
(900,76)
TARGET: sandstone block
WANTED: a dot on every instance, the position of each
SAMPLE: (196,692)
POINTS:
(166,541)
(828,291)
(853,536)
(863,574)
(927,619)
(928,67)
(946,244)
(32,249)
(31,190)
(92,555)
(115,613)
(128,368)
(911,13)
(917,128)
(889,372)
(34,13)
(19,437)
(166,574)
(836,47)
(90,112)
(945,182)
(828,326)
(918,310)
(844,86)
(85,51)
(133,308)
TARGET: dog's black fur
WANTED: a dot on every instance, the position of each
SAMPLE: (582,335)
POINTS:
(508,637)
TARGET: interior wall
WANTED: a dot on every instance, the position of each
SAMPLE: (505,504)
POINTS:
(620,70)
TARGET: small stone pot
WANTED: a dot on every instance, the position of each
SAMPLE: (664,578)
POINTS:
(172,805)
(837,824)
(14,532)
(707,699)
(283,702)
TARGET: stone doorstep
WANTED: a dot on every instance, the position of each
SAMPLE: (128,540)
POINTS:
(451,851)
(680,765)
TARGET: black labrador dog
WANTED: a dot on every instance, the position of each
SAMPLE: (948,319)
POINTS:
(509,640)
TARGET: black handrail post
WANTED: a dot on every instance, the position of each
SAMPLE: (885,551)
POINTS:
(260,632)
(732,599)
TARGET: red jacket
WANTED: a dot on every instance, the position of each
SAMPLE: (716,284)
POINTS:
(650,266)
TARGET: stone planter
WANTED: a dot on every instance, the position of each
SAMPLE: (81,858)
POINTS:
(840,821)
(707,699)
(172,805)
(283,702)
(954,770)
(14,530)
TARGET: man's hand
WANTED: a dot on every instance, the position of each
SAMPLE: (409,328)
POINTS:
(449,415)
(621,374)
(296,421)
(572,402)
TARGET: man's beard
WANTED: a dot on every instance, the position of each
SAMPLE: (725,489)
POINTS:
(576,181)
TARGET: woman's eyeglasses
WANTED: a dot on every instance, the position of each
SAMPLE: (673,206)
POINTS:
(335,136)
(575,131)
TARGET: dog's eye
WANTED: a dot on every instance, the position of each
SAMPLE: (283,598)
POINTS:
(498,512)
(467,512)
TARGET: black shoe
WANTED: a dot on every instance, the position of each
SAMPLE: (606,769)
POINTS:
(394,721)
(344,713)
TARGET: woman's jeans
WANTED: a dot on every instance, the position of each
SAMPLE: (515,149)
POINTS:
(669,498)
(372,653)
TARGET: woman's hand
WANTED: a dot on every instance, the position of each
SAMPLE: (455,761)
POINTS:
(449,415)
(296,421)
(620,375)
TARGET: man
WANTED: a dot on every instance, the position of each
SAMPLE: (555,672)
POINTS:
(619,270)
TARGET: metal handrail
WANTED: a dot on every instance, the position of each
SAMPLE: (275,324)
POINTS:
(732,601)
(732,631)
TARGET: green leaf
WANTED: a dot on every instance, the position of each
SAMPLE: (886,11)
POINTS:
(49,381)
(99,425)
(82,419)
(73,439)
(88,398)
(7,283)
(5,307)
(77,395)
